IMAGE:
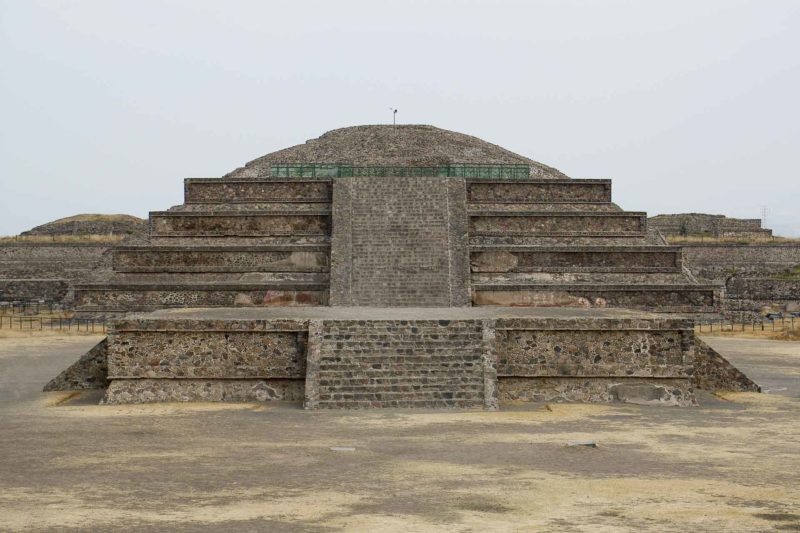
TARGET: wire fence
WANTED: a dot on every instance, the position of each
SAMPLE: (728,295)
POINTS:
(43,323)
(777,323)
(30,308)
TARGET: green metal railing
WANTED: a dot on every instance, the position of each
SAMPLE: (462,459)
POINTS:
(344,170)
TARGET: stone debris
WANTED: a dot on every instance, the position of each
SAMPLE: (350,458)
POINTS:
(585,443)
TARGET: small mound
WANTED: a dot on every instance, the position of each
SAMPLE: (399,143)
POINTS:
(404,145)
(91,224)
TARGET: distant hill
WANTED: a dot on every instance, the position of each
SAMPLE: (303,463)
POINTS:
(91,224)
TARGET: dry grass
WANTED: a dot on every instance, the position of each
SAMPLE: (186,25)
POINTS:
(89,217)
(104,238)
(36,333)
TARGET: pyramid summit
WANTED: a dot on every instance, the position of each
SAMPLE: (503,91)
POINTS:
(411,145)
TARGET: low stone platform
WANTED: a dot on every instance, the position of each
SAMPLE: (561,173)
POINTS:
(354,357)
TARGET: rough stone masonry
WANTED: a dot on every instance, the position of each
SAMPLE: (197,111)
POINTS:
(407,267)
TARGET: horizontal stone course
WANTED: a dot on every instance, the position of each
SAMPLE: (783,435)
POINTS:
(664,298)
(243,354)
(142,298)
(300,258)
(167,223)
(575,259)
(209,191)
(533,191)
(557,223)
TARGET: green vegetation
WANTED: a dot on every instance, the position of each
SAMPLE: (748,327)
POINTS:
(790,274)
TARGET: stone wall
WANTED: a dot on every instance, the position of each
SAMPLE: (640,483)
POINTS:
(712,372)
(399,242)
(367,357)
(486,223)
(46,271)
(572,259)
(227,191)
(721,261)
(712,225)
(757,276)
(585,191)
(677,299)
(141,297)
(88,372)
(240,224)
(34,290)
(311,258)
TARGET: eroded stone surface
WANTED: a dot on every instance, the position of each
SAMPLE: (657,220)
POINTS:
(602,390)
(203,390)
(88,372)
(208,354)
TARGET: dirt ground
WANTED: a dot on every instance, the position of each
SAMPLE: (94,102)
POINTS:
(67,464)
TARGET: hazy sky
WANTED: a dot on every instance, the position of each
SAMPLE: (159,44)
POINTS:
(689,106)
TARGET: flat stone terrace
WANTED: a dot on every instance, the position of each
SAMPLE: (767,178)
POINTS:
(386,313)
(359,357)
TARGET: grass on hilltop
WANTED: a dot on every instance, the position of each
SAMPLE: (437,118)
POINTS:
(100,238)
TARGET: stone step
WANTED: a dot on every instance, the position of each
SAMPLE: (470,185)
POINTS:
(416,391)
(398,363)
(274,258)
(239,223)
(398,404)
(662,298)
(542,223)
(511,258)
(538,191)
(226,190)
(405,395)
(433,369)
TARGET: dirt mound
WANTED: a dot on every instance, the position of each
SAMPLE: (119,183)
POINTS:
(91,225)
(405,145)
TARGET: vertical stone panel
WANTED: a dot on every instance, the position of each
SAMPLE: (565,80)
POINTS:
(341,242)
(399,242)
(315,337)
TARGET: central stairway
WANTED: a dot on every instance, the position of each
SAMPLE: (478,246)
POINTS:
(397,363)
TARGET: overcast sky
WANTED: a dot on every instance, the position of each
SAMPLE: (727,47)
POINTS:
(689,106)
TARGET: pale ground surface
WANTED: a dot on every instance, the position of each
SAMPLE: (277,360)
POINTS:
(68,465)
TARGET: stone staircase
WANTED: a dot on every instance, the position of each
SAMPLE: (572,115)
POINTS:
(396,363)
(234,242)
(564,243)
